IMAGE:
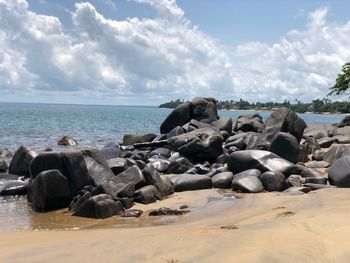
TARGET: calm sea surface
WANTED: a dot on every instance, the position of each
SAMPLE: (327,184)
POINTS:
(41,125)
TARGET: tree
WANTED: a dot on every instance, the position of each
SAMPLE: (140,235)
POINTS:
(342,83)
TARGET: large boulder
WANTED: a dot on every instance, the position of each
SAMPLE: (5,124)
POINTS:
(49,191)
(189,182)
(286,146)
(204,109)
(273,181)
(247,182)
(178,117)
(247,123)
(131,175)
(147,194)
(152,177)
(223,124)
(201,144)
(257,159)
(3,166)
(98,206)
(179,166)
(339,172)
(117,165)
(222,180)
(130,138)
(284,120)
(20,161)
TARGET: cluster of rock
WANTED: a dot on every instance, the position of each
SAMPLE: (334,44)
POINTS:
(196,149)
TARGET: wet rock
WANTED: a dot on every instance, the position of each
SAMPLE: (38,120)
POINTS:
(339,172)
(201,144)
(247,182)
(49,191)
(189,182)
(238,143)
(178,117)
(147,194)
(152,177)
(98,206)
(195,125)
(20,161)
(67,141)
(130,139)
(131,175)
(286,146)
(115,189)
(117,165)
(284,120)
(14,188)
(132,213)
(257,159)
(179,166)
(222,180)
(273,181)
(165,211)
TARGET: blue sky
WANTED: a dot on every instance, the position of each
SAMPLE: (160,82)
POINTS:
(150,51)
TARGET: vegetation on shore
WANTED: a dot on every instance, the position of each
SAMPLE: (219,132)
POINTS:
(317,105)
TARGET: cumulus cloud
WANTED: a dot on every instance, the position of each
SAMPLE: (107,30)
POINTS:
(148,60)
(302,65)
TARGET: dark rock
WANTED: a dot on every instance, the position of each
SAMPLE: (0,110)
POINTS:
(315,180)
(5,153)
(248,123)
(318,186)
(222,158)
(262,160)
(117,165)
(115,189)
(160,164)
(201,169)
(223,124)
(294,180)
(204,109)
(239,144)
(132,213)
(309,172)
(67,141)
(195,125)
(179,166)
(139,155)
(160,152)
(326,142)
(284,120)
(286,146)
(14,188)
(247,181)
(126,202)
(273,181)
(316,133)
(317,164)
(344,122)
(130,139)
(20,161)
(49,191)
(255,141)
(178,117)
(201,144)
(98,206)
(222,180)
(3,166)
(152,177)
(46,161)
(236,137)
(165,211)
(131,175)
(188,182)
(14,177)
(48,149)
(147,194)
(339,172)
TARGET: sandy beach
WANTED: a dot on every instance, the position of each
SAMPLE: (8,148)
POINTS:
(266,227)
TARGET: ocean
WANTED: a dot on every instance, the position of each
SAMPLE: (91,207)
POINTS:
(41,125)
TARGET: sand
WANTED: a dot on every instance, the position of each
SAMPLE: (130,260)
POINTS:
(266,227)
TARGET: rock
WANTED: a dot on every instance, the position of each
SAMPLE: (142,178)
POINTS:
(342,139)
(318,186)
(20,161)
(160,164)
(117,165)
(132,213)
(284,120)
(195,125)
(98,206)
(179,166)
(201,144)
(115,189)
(309,172)
(126,202)
(247,123)
(3,166)
(239,144)
(335,152)
(14,177)
(339,172)
(297,190)
(131,175)
(315,180)
(49,191)
(223,124)
(317,164)
(130,139)
(294,180)
(204,109)
(14,188)
(342,131)
(165,211)
(344,122)
(326,142)
(286,146)
(5,153)
(164,152)
(273,181)
(178,130)
(222,180)
(178,117)
(247,182)
(46,161)
(152,177)
(262,160)
(189,182)
(147,194)
(67,141)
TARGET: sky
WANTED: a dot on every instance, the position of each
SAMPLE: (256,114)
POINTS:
(146,52)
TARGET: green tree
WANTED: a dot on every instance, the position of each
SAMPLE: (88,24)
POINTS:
(342,83)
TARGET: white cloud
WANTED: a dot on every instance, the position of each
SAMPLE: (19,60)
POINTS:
(302,65)
(145,61)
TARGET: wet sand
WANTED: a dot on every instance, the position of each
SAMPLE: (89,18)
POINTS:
(272,227)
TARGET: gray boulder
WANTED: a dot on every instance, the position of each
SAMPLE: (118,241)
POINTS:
(20,161)
(152,177)
(131,175)
(247,182)
(178,117)
(147,194)
(286,146)
(189,182)
(273,181)
(131,138)
(339,172)
(222,180)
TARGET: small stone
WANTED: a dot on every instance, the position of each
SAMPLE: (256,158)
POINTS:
(132,213)
(165,211)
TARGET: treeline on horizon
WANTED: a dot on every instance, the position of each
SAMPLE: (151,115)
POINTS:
(317,105)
